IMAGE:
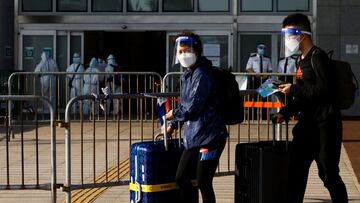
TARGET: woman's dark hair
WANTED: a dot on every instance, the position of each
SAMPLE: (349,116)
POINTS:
(197,44)
(299,20)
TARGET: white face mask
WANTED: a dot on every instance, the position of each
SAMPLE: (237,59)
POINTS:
(291,46)
(187,59)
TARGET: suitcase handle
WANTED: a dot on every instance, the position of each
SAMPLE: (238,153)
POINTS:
(286,132)
(138,192)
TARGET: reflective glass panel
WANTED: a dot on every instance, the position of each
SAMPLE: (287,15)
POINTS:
(180,6)
(72,5)
(142,5)
(256,5)
(107,5)
(36,5)
(213,5)
(293,5)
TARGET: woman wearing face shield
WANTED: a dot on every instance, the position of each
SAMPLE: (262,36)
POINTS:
(204,131)
(318,133)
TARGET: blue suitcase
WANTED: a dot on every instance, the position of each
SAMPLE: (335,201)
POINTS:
(153,170)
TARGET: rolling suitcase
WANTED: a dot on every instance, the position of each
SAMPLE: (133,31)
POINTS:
(262,170)
(153,170)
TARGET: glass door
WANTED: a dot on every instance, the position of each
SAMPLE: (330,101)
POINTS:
(60,45)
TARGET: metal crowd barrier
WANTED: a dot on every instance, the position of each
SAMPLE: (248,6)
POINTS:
(97,151)
(59,90)
(258,110)
(16,164)
(97,145)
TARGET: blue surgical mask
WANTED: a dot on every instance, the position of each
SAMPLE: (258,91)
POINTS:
(261,51)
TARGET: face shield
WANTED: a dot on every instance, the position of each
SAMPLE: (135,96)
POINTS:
(291,39)
(184,51)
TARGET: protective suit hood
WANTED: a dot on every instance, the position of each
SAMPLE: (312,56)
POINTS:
(111,60)
(93,63)
(44,56)
(76,58)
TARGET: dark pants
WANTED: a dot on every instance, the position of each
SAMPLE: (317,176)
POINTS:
(203,162)
(320,142)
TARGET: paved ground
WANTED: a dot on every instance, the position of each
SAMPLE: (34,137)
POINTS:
(352,144)
(350,162)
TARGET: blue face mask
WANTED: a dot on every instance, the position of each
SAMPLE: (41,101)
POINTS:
(261,51)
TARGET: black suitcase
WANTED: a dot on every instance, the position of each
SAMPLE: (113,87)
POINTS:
(261,171)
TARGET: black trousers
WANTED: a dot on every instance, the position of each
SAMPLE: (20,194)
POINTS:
(199,163)
(320,142)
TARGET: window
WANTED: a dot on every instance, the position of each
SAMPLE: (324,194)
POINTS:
(36,5)
(107,5)
(176,5)
(142,5)
(72,5)
(256,5)
(274,5)
(33,46)
(293,5)
(213,5)
(248,43)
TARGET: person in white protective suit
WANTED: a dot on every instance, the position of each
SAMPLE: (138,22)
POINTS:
(113,82)
(48,81)
(74,80)
(91,83)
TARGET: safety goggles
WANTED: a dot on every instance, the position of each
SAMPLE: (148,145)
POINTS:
(293,31)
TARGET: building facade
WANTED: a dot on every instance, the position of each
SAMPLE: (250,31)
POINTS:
(140,32)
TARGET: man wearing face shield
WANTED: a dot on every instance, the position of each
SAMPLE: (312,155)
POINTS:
(204,132)
(113,81)
(48,82)
(91,83)
(318,133)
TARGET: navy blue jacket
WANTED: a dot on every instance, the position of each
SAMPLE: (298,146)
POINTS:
(196,111)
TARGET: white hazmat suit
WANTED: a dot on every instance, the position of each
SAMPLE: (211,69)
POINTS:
(48,81)
(91,82)
(76,80)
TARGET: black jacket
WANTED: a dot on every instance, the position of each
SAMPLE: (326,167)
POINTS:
(311,95)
